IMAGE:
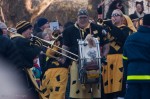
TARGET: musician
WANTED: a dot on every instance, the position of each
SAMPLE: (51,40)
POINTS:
(70,36)
(55,77)
(28,51)
(137,62)
(139,13)
(12,66)
(113,71)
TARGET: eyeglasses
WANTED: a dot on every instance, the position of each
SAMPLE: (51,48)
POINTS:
(83,17)
(115,15)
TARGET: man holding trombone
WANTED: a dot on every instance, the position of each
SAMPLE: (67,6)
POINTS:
(28,51)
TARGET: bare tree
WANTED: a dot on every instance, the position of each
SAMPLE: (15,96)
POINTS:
(62,10)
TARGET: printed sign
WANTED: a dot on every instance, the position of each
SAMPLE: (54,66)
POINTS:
(54,25)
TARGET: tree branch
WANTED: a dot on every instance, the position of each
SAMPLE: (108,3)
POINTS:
(40,9)
(28,5)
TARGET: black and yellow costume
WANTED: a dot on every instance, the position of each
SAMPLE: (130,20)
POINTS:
(113,72)
(55,78)
(70,37)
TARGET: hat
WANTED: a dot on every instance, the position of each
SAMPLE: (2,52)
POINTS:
(23,26)
(146,19)
(82,12)
(2,25)
(137,2)
(41,22)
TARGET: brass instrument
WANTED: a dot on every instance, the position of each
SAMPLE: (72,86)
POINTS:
(101,21)
(56,34)
(13,31)
(137,19)
(52,44)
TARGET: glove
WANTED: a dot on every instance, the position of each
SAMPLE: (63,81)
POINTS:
(100,10)
(108,23)
(61,60)
(104,60)
(36,42)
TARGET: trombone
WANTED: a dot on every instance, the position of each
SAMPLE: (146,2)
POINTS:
(137,19)
(52,44)
(101,21)
(47,43)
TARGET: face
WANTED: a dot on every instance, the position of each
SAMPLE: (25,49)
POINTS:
(4,31)
(27,33)
(116,17)
(139,8)
(61,28)
(83,21)
(45,26)
(47,38)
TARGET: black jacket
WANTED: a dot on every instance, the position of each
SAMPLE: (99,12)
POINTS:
(8,52)
(27,50)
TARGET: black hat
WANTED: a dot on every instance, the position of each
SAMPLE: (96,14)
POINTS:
(82,12)
(141,3)
(23,26)
(41,22)
(146,19)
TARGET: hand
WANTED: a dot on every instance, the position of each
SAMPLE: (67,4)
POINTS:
(57,43)
(61,60)
(89,37)
(36,42)
(108,23)
(104,61)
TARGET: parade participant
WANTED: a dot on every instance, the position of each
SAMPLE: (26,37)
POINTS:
(138,14)
(11,67)
(55,77)
(116,4)
(49,31)
(136,62)
(113,71)
(80,30)
(40,25)
(28,51)
(66,25)
(8,51)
